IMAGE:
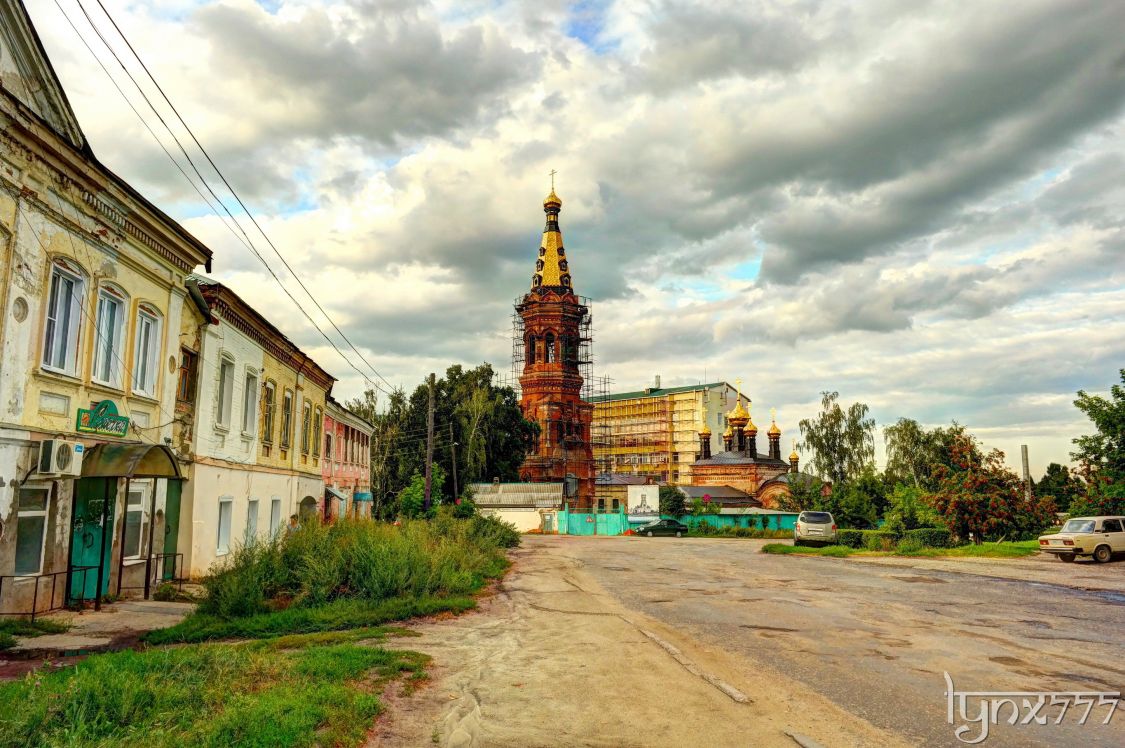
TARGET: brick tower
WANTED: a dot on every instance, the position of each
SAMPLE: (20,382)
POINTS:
(551,381)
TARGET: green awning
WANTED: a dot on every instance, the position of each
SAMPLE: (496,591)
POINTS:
(130,461)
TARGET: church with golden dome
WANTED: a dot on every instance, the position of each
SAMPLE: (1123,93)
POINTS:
(740,465)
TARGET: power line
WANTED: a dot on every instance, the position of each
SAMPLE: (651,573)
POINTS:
(233,192)
(245,238)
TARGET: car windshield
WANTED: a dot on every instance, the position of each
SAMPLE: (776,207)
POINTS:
(1079,525)
(816,518)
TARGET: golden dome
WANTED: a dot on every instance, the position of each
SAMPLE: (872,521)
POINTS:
(774,430)
(739,416)
(729,433)
(793,455)
(750,428)
(705,431)
(552,199)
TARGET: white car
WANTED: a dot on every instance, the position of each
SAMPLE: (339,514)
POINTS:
(814,527)
(1100,537)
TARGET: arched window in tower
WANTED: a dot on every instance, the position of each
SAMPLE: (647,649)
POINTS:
(539,265)
(563,265)
(531,346)
(536,280)
(566,280)
(542,251)
(550,343)
(559,432)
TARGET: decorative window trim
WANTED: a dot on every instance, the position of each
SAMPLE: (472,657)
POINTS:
(224,413)
(250,406)
(149,385)
(113,294)
(268,406)
(78,279)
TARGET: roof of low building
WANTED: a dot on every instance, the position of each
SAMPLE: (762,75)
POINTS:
(745,457)
(544,495)
(654,392)
(715,492)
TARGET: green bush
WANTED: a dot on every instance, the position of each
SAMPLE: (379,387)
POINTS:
(849,538)
(704,529)
(930,537)
(878,540)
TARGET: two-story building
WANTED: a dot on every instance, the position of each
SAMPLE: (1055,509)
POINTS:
(346,463)
(92,294)
(256,427)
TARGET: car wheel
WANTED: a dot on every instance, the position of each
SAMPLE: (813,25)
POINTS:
(649,533)
(1102,554)
(797,541)
(1068,557)
(678,533)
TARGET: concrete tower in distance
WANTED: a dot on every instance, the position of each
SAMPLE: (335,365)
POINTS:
(554,322)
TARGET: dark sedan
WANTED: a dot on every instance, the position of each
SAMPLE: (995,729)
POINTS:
(663,527)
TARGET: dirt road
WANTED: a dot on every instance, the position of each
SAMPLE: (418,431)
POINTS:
(654,642)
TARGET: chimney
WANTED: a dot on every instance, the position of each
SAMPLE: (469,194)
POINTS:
(1026,473)
(656,382)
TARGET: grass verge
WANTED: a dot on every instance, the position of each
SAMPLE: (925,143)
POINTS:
(319,689)
(10,630)
(1017,549)
(337,615)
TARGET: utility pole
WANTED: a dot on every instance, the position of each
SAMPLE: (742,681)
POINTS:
(1026,473)
(429,443)
(453,446)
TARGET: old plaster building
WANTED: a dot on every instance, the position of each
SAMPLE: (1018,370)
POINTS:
(256,431)
(346,462)
(91,299)
(553,319)
(762,476)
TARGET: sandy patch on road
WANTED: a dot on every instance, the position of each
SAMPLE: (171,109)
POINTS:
(552,660)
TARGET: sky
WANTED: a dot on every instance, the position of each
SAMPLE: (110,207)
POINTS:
(918,204)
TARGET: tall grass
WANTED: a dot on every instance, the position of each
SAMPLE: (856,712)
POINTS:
(361,560)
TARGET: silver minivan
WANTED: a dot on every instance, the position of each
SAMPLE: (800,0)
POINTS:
(814,527)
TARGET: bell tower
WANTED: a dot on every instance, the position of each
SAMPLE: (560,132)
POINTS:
(551,381)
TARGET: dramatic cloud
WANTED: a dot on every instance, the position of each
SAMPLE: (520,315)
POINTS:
(919,204)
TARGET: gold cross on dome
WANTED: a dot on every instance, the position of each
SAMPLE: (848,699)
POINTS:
(738,383)
(553,173)
(773,414)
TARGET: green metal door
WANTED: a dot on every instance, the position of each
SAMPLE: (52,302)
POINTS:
(171,528)
(86,536)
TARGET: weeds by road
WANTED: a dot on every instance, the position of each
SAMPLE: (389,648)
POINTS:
(1018,549)
(297,691)
(9,630)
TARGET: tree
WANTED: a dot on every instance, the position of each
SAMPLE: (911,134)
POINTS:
(979,496)
(908,510)
(1060,484)
(1102,454)
(804,494)
(842,443)
(412,499)
(913,452)
(858,503)
(672,501)
(476,423)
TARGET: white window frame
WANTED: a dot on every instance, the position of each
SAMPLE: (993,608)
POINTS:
(144,489)
(20,513)
(145,369)
(222,544)
(73,317)
(109,343)
(224,398)
(250,403)
(275,516)
(252,509)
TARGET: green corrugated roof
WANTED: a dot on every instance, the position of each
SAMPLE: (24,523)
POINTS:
(663,391)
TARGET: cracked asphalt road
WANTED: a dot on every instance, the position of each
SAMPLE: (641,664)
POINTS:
(876,639)
(634,641)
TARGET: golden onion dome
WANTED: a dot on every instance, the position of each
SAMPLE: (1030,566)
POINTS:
(750,428)
(739,416)
(552,199)
(774,430)
(729,433)
(793,455)
(705,431)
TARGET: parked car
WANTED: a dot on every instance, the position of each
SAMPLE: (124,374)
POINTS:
(1099,537)
(663,527)
(814,527)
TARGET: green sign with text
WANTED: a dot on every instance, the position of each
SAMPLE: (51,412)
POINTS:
(102,419)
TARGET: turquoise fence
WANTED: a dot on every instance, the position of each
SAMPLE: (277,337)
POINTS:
(584,523)
(760,521)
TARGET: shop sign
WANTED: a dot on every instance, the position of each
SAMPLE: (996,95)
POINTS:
(102,420)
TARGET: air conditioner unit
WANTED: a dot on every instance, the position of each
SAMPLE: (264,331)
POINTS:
(60,457)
